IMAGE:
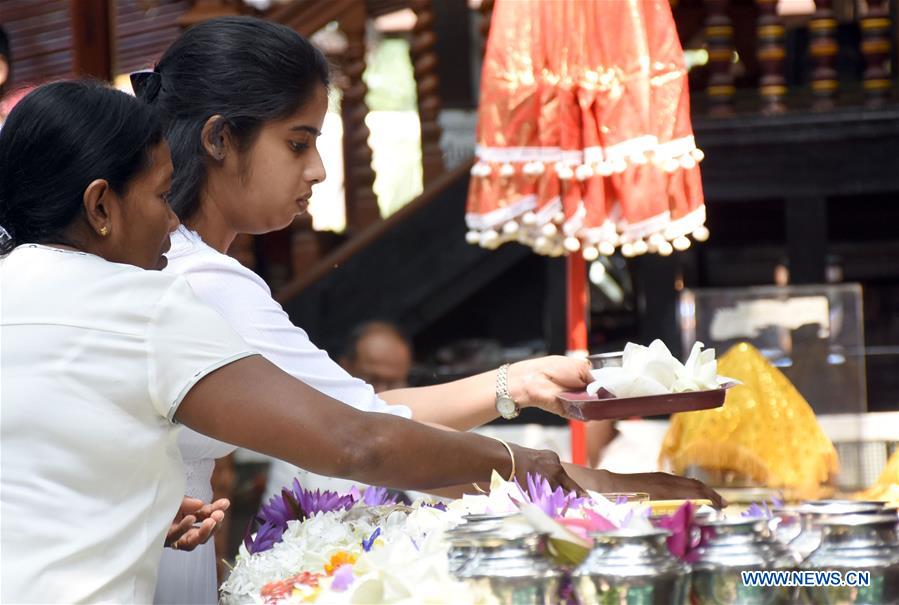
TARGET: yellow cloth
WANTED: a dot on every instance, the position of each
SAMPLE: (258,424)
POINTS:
(886,487)
(765,433)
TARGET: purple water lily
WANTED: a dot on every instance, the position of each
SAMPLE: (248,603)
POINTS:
(266,536)
(369,542)
(378,496)
(762,511)
(437,505)
(343,578)
(295,504)
(554,503)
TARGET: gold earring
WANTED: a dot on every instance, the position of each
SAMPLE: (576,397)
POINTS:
(104,230)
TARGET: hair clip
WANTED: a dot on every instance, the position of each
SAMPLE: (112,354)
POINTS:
(146,84)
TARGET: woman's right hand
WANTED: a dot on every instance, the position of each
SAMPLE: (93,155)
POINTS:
(546,464)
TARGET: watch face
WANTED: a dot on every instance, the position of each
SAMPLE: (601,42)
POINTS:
(506,407)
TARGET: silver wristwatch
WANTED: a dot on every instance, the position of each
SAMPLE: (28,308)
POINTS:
(505,405)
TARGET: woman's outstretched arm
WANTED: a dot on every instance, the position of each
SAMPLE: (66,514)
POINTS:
(253,404)
(469,402)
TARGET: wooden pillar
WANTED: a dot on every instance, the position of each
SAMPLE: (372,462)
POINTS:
(92,38)
(823,48)
(876,47)
(806,227)
(771,54)
(361,204)
(719,35)
(424,61)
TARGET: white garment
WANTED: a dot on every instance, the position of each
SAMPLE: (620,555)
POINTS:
(96,357)
(246,303)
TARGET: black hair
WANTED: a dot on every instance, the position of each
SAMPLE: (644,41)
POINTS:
(58,139)
(248,71)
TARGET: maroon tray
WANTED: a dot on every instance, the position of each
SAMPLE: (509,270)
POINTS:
(604,406)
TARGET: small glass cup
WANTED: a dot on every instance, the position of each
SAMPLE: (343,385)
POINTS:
(607,360)
(626,497)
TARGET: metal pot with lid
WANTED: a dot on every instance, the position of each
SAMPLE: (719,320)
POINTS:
(510,563)
(631,566)
(864,549)
(731,547)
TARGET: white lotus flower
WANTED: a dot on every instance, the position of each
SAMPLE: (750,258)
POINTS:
(653,370)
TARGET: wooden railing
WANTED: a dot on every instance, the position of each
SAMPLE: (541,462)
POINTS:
(750,36)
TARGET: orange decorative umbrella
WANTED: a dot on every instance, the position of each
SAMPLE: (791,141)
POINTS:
(584,140)
(584,134)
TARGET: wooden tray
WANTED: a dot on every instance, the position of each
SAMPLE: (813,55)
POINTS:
(580,405)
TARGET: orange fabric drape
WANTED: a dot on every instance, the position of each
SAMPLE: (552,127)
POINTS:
(584,134)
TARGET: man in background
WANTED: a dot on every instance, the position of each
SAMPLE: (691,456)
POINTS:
(379,354)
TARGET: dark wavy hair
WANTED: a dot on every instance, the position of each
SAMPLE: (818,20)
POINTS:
(58,139)
(247,70)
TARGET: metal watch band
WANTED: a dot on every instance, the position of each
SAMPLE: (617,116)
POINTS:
(502,381)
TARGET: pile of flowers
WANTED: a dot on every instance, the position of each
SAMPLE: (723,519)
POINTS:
(365,548)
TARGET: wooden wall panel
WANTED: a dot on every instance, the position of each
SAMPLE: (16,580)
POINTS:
(41,35)
(40,39)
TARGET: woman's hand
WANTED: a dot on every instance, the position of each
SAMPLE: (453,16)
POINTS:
(183,535)
(537,382)
(659,486)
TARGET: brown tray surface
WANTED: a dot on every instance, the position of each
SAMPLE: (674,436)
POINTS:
(580,405)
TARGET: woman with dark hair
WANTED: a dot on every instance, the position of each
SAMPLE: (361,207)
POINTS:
(244,101)
(101,358)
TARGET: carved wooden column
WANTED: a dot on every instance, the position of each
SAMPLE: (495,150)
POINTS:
(823,48)
(876,47)
(424,61)
(361,203)
(719,36)
(771,54)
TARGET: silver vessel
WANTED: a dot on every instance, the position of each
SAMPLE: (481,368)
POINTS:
(733,546)
(511,564)
(857,543)
(464,538)
(812,514)
(631,566)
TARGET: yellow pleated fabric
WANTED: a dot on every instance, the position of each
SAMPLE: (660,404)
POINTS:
(766,434)
(886,487)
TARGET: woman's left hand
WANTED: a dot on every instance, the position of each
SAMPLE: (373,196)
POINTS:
(183,535)
(538,382)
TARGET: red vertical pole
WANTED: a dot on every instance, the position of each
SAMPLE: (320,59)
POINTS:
(578,304)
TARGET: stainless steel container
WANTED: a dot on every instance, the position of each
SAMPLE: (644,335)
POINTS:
(631,566)
(811,516)
(732,546)
(513,566)
(857,543)
(464,537)
(785,524)
(873,504)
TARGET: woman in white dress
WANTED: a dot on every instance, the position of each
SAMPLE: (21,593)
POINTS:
(244,101)
(101,357)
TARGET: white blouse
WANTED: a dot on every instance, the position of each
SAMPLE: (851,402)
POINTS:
(245,301)
(95,358)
